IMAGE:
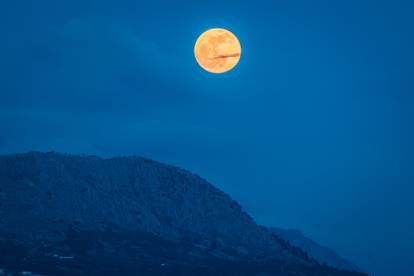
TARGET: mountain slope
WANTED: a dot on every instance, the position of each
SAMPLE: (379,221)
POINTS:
(128,210)
(320,253)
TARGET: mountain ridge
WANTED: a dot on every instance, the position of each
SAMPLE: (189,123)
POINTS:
(48,197)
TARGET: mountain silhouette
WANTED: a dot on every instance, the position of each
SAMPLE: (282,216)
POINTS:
(83,215)
(322,254)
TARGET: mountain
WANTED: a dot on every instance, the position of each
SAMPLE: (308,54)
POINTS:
(323,255)
(83,215)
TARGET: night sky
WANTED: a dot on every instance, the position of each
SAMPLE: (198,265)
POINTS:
(312,130)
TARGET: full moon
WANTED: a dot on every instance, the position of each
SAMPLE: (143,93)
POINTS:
(217,50)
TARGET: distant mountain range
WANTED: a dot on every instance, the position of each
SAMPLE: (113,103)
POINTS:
(323,255)
(83,215)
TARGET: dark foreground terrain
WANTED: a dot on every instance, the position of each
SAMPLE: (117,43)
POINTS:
(126,253)
(82,215)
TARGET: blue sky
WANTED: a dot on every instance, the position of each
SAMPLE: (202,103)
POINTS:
(312,130)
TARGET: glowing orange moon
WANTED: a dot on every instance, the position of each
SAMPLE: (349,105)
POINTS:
(217,50)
